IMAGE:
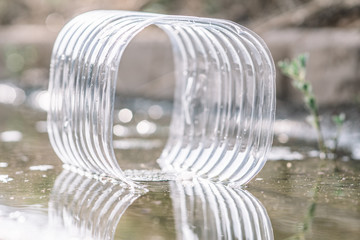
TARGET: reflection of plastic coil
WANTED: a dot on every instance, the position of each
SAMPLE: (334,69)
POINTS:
(224,101)
(205,210)
(89,209)
(86,208)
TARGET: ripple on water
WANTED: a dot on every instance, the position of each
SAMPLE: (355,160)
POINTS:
(3,164)
(41,168)
(284,153)
(11,136)
(5,179)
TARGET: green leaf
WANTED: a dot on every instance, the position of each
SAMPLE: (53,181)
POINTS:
(310,102)
(306,87)
(339,119)
(295,68)
(284,67)
(303,59)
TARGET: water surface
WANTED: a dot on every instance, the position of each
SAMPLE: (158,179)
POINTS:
(299,197)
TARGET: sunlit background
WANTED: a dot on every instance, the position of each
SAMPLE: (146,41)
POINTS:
(329,30)
(326,29)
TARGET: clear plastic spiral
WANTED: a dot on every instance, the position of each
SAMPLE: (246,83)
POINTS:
(224,103)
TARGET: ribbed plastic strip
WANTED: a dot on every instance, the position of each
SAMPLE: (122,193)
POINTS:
(224,102)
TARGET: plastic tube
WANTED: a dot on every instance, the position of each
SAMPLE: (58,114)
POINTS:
(224,103)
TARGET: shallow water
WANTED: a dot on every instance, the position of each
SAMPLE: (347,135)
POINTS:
(302,196)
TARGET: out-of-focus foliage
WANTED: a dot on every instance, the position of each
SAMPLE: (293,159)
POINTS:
(296,70)
(17,58)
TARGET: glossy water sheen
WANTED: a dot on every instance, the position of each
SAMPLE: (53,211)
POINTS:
(40,200)
(224,102)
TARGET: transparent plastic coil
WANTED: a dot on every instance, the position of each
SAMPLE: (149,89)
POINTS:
(224,101)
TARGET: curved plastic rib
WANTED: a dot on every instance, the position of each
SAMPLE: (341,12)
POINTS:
(224,101)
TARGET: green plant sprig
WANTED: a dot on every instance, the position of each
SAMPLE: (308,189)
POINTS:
(339,121)
(296,70)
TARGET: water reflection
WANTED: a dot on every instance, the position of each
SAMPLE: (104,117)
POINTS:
(88,208)
(205,210)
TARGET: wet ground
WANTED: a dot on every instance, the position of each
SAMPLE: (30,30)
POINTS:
(295,196)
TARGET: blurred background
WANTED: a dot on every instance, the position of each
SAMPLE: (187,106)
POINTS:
(329,30)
